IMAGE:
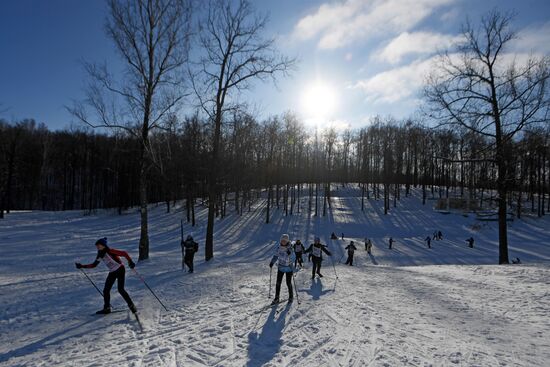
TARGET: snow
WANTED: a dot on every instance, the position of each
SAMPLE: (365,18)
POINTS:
(445,306)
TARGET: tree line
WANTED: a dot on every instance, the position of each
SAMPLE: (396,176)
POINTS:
(277,159)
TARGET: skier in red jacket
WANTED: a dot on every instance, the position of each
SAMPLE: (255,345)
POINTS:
(111,258)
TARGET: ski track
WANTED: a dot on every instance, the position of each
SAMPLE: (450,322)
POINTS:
(377,313)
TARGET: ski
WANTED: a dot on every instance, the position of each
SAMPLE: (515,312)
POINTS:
(105,314)
(139,322)
(287,304)
(271,305)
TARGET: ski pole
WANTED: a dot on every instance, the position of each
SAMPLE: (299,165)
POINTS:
(341,258)
(334,267)
(153,293)
(91,281)
(270,272)
(181,243)
(295,288)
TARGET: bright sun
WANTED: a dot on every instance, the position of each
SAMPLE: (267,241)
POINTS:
(319,101)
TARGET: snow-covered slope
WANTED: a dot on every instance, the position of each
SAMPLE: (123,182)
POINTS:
(380,312)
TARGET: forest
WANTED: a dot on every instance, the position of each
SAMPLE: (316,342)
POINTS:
(277,158)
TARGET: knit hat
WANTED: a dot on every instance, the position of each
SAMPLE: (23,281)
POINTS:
(102,241)
(317,239)
(285,237)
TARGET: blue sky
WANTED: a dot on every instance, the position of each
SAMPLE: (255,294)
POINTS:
(370,55)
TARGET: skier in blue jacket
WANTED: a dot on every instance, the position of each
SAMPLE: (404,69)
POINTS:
(284,256)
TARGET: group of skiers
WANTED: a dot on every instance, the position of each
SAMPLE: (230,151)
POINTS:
(288,256)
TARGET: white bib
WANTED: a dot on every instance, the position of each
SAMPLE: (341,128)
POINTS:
(284,257)
(111,264)
(316,251)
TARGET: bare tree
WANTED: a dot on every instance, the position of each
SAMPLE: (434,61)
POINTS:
(235,53)
(486,90)
(151,37)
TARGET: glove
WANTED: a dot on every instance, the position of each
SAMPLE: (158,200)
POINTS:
(270,265)
(131,264)
(78,265)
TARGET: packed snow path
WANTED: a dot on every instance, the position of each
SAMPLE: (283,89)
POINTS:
(372,315)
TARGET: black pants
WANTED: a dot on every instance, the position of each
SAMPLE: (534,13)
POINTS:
(299,259)
(280,275)
(316,265)
(350,259)
(188,259)
(118,275)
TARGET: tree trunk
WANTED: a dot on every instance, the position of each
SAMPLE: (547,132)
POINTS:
(144,236)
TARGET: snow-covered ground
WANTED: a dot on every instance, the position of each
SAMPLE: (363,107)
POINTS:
(453,307)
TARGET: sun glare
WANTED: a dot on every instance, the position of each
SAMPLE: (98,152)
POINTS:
(319,101)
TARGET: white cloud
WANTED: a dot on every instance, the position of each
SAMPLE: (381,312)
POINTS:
(450,15)
(419,43)
(533,39)
(340,24)
(396,84)
(402,84)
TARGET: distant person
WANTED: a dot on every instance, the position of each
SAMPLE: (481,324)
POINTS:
(299,250)
(351,250)
(284,256)
(366,244)
(333,236)
(189,247)
(316,250)
(435,235)
(342,236)
(439,235)
(369,246)
(429,241)
(470,242)
(391,241)
(111,259)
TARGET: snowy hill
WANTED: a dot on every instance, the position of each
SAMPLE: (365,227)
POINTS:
(382,312)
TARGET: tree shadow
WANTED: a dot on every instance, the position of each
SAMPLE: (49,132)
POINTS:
(45,342)
(373,259)
(263,347)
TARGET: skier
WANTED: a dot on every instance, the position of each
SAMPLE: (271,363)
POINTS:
(298,250)
(391,242)
(435,235)
(333,236)
(369,246)
(439,235)
(351,249)
(342,236)
(284,255)
(316,250)
(366,244)
(117,272)
(429,241)
(470,242)
(190,247)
